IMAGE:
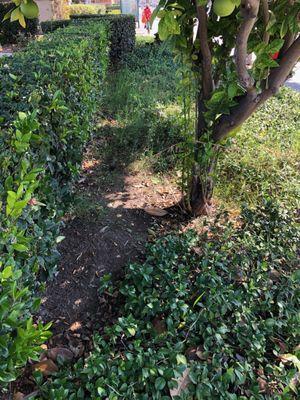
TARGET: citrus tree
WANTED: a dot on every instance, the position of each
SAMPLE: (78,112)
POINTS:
(215,41)
(24,9)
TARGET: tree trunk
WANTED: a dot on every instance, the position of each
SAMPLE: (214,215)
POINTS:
(205,155)
(201,191)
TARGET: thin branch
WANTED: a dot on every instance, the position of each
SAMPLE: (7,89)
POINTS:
(249,11)
(252,100)
(266,18)
(289,37)
(288,41)
(289,59)
(207,79)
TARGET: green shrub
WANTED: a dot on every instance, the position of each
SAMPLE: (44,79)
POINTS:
(49,94)
(52,25)
(223,307)
(10,32)
(113,9)
(77,9)
(122,33)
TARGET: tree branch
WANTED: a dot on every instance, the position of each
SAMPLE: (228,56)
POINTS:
(249,11)
(207,79)
(266,18)
(289,59)
(252,100)
(289,37)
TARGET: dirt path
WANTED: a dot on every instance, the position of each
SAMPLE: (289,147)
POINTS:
(107,229)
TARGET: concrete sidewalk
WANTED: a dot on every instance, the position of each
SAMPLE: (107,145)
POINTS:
(294,81)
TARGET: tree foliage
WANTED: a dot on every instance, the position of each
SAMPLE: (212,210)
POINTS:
(216,49)
(25,9)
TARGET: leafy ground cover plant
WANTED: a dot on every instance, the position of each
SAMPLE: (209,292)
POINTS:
(209,317)
(49,95)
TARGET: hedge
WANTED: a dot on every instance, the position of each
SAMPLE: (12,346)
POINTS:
(52,25)
(122,33)
(121,28)
(74,9)
(48,96)
(10,32)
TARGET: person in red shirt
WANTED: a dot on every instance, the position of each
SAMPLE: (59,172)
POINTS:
(146,16)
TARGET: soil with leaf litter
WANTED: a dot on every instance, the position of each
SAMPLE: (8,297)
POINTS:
(115,206)
(107,229)
(117,209)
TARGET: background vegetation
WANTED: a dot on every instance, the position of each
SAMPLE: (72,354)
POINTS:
(261,160)
(11,32)
(216,313)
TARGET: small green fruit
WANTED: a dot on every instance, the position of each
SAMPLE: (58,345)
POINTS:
(30,9)
(223,8)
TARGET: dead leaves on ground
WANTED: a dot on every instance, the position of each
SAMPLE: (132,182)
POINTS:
(155,211)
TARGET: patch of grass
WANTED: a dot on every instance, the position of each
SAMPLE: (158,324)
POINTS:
(141,101)
(263,159)
(142,39)
(86,207)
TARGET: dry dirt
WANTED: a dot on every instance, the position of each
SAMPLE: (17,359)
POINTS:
(107,230)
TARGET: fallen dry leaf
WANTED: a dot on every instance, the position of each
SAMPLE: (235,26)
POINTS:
(46,367)
(155,211)
(274,275)
(60,354)
(31,395)
(182,383)
(159,325)
(263,385)
(75,326)
(196,353)
(18,396)
(197,250)
(77,349)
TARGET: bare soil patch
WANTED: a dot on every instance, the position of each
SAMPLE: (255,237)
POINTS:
(107,229)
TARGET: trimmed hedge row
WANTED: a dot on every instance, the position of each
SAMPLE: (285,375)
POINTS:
(122,33)
(86,9)
(121,28)
(52,25)
(48,96)
(11,31)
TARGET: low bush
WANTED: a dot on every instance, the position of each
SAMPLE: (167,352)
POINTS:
(122,33)
(52,25)
(121,30)
(11,32)
(113,9)
(49,94)
(209,317)
(77,9)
